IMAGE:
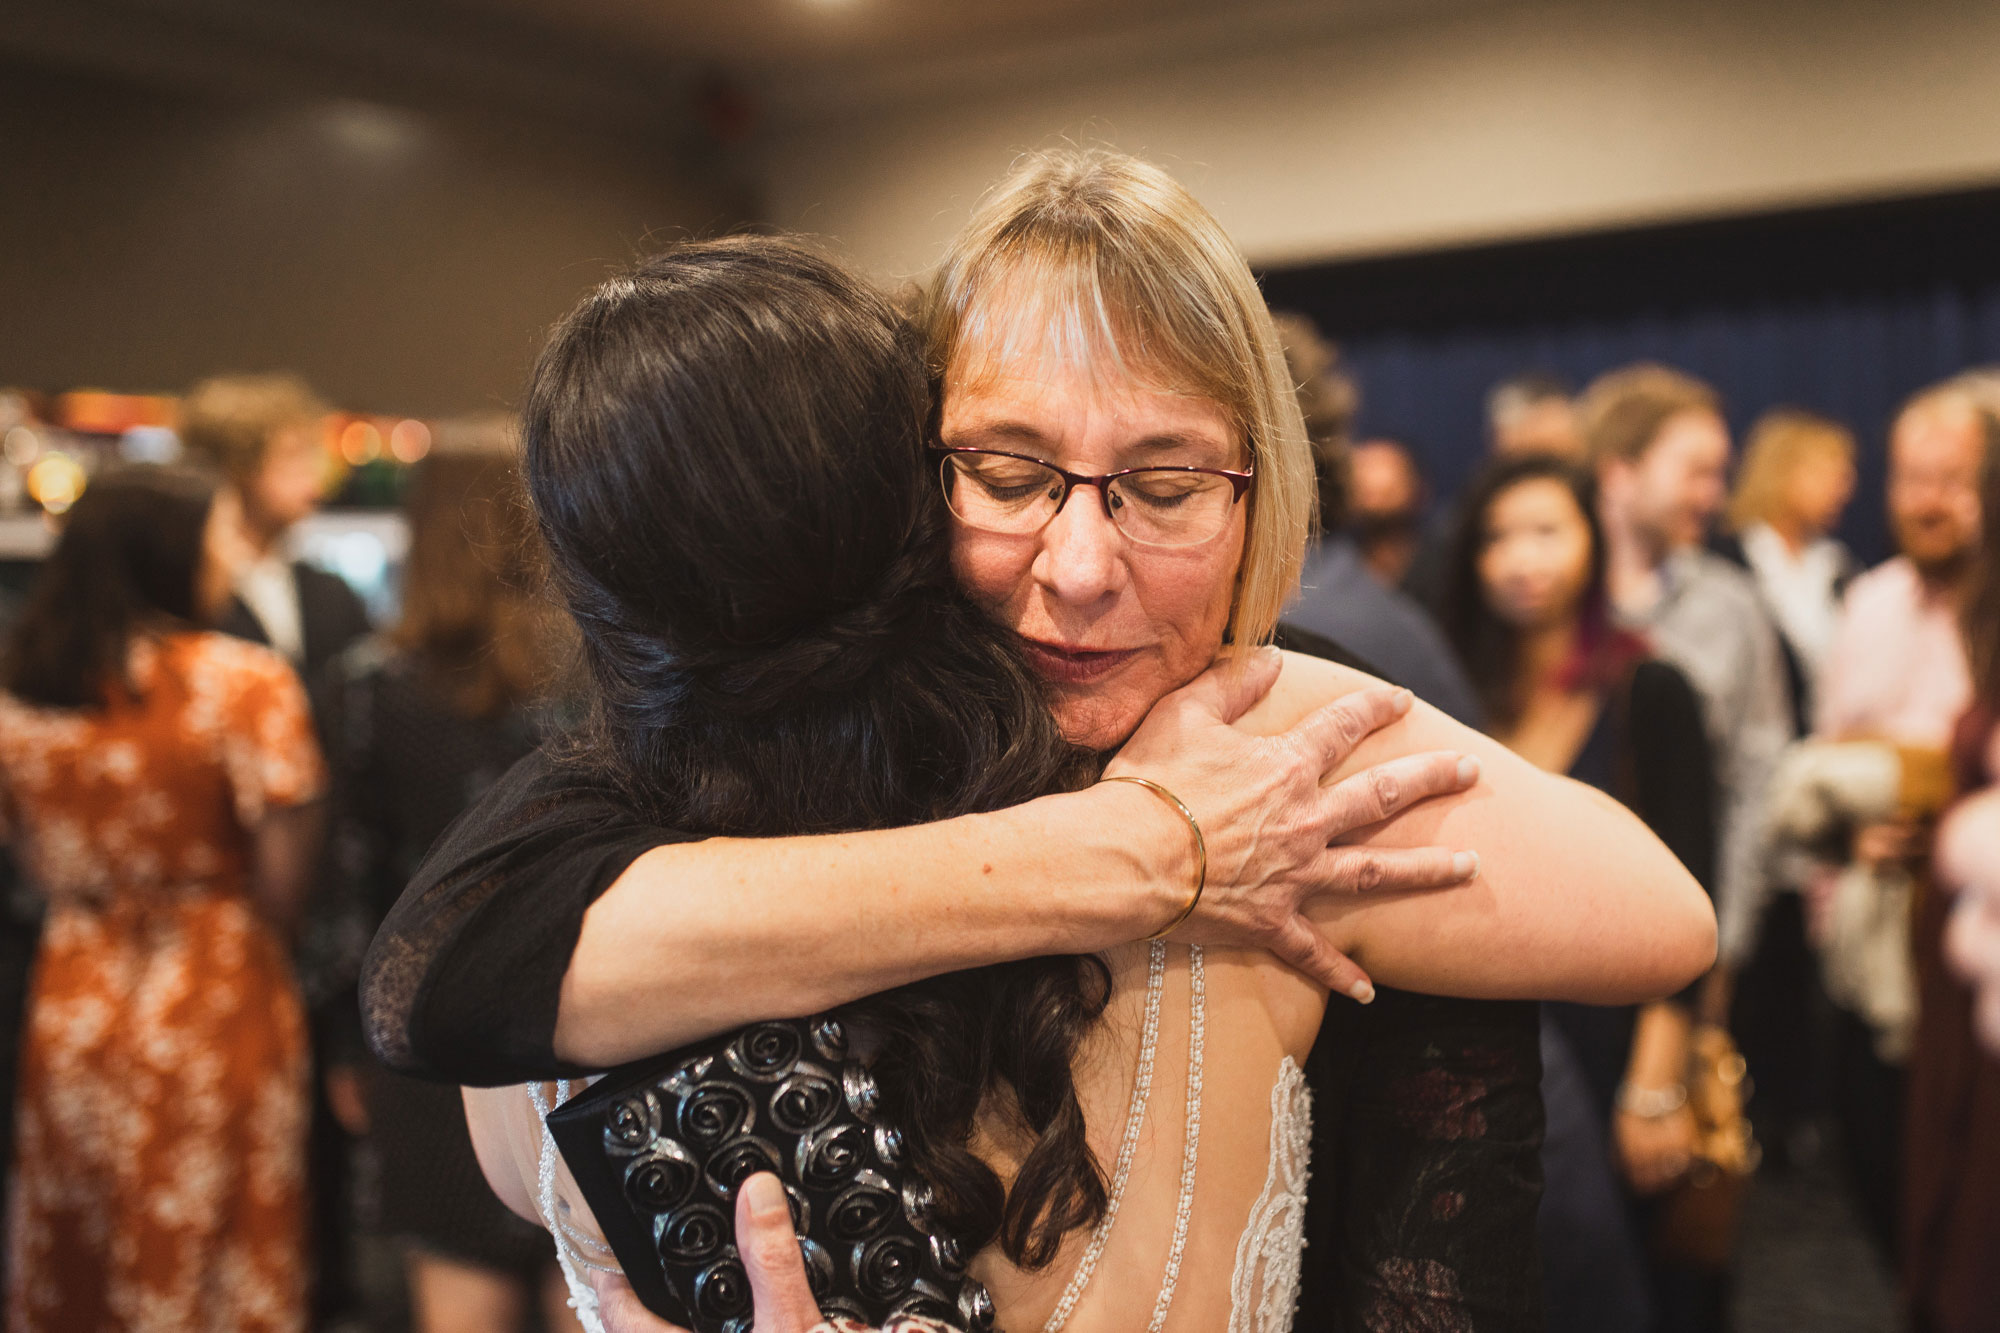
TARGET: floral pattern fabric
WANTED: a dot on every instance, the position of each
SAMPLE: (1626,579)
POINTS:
(1427,1135)
(159,1149)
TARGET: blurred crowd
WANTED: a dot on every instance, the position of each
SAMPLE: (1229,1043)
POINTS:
(216,775)
(1621,596)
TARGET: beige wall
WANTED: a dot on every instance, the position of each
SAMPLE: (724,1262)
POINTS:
(1478,123)
(402,260)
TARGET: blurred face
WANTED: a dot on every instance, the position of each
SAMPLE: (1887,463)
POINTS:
(1534,556)
(286,485)
(1545,426)
(1676,487)
(1382,479)
(225,550)
(1934,489)
(1818,490)
(1112,625)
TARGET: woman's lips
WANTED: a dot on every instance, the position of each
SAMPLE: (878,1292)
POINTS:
(1074,666)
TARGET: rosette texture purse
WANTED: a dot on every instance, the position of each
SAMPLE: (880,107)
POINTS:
(659,1148)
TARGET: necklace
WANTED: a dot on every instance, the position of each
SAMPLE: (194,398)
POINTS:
(1135,1116)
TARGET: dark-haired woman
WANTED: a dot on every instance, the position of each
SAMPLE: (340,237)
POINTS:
(1568,691)
(156,779)
(418,722)
(730,452)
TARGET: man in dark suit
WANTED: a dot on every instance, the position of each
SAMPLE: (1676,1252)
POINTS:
(261,432)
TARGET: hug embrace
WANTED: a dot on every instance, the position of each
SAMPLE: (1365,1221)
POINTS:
(933,689)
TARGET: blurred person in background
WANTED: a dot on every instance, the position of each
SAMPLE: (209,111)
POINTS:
(1568,690)
(1385,507)
(1797,478)
(1796,481)
(1860,796)
(1528,413)
(1951,1231)
(1660,449)
(262,432)
(158,781)
(420,721)
(1532,413)
(1338,596)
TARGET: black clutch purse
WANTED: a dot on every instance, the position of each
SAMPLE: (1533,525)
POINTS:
(659,1147)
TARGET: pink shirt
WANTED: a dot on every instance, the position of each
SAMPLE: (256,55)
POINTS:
(1897,670)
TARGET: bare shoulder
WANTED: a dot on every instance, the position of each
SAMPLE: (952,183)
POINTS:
(1305,683)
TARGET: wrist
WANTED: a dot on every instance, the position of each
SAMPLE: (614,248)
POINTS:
(1199,843)
(1146,844)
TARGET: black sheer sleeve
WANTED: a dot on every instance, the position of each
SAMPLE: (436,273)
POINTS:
(463,979)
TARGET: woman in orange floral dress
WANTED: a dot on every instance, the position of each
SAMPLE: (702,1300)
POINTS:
(155,780)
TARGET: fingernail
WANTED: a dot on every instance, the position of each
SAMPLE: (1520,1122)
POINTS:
(767,1197)
(1465,864)
(1468,771)
(1361,992)
(1404,701)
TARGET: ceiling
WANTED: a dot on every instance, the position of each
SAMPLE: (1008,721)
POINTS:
(627,59)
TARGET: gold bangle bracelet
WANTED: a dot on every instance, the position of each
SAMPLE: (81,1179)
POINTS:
(1200,851)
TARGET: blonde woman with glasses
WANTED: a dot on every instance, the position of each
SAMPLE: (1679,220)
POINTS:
(1126,492)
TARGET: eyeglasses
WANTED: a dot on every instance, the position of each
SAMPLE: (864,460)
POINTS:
(1154,506)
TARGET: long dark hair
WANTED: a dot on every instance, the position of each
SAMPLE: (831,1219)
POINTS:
(127,559)
(725,449)
(1488,646)
(474,615)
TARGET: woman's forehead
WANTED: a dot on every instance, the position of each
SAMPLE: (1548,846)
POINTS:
(1039,402)
(1056,375)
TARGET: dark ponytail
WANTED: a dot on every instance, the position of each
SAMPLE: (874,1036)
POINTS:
(726,453)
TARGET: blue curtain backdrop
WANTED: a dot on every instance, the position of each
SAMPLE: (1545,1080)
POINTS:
(1844,312)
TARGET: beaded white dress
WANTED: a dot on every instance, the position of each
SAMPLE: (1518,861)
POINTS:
(1264,1283)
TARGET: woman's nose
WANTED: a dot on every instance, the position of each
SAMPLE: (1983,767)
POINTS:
(1082,555)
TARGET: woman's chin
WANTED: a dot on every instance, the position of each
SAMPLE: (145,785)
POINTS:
(1097,721)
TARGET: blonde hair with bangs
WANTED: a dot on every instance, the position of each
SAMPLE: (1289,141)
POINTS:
(1131,277)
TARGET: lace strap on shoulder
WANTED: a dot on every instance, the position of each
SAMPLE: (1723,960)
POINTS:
(568,1254)
(1264,1287)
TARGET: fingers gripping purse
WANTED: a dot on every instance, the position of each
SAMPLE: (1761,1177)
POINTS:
(658,1149)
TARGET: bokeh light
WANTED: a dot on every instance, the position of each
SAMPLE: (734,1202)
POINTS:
(360,442)
(56,481)
(409,441)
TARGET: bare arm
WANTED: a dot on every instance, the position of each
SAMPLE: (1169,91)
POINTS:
(694,938)
(284,847)
(1576,899)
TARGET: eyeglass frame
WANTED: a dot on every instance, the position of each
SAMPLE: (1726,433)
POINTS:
(1239,484)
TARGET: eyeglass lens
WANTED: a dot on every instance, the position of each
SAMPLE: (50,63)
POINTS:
(1154,506)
